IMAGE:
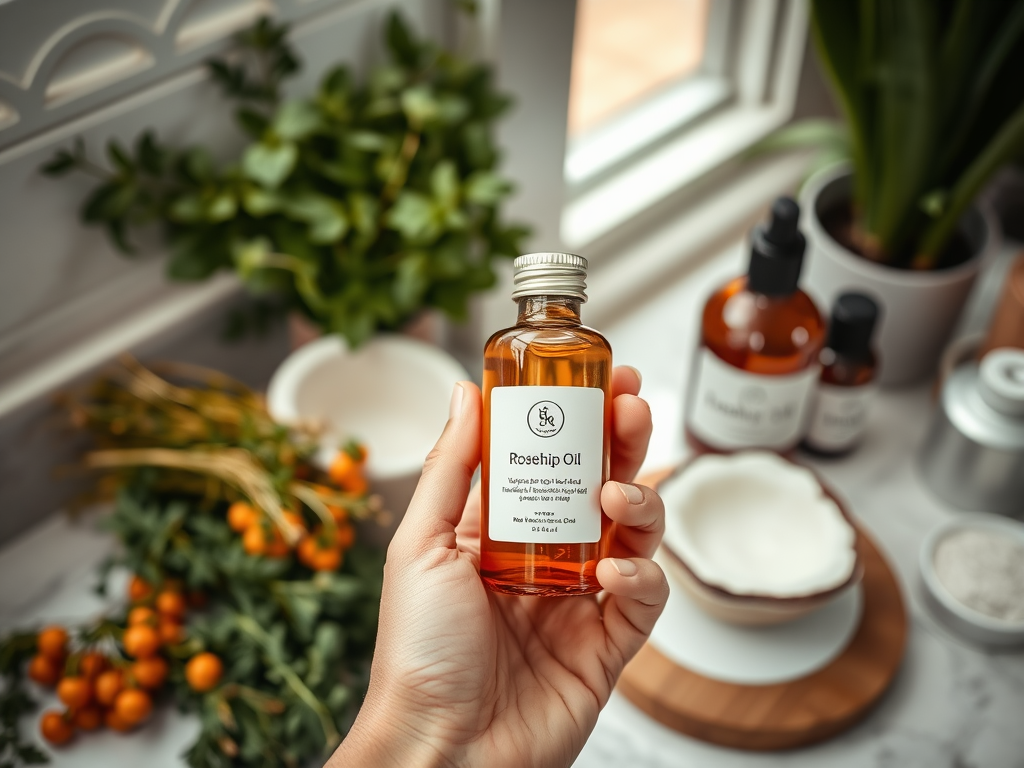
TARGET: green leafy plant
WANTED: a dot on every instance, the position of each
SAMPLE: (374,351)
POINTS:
(933,98)
(294,638)
(358,206)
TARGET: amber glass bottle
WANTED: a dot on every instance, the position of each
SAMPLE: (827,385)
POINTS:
(757,361)
(546,437)
(847,385)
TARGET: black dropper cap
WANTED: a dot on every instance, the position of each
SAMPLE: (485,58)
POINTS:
(854,316)
(777,251)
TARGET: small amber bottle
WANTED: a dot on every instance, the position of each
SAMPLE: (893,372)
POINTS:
(546,437)
(757,361)
(847,384)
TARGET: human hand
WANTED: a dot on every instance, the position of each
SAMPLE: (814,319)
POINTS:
(463,676)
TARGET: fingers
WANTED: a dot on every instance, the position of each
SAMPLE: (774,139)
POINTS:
(639,514)
(467,532)
(625,380)
(637,592)
(440,497)
(631,432)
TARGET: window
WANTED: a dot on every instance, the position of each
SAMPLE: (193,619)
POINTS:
(664,92)
(635,78)
(627,49)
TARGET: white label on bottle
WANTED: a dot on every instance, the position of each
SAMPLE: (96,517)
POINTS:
(733,409)
(839,416)
(546,455)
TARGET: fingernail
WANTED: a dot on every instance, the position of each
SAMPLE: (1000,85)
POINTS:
(624,567)
(632,494)
(455,406)
(639,376)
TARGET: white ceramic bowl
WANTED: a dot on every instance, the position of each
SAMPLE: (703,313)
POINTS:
(391,394)
(755,539)
(967,622)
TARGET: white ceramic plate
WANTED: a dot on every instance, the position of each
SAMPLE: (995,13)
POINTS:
(756,655)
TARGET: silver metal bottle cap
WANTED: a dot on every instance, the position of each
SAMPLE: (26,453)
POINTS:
(550,274)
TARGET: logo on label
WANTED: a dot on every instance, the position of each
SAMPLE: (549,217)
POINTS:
(545,419)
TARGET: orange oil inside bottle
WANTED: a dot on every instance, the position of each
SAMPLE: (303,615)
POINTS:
(548,346)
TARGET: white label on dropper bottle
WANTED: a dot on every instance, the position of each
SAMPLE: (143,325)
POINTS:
(733,409)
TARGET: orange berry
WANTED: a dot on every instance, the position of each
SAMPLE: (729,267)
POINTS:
(115,722)
(171,604)
(139,590)
(357,484)
(258,540)
(108,685)
(133,706)
(75,692)
(241,516)
(91,664)
(142,614)
(141,641)
(204,671)
(343,467)
(315,555)
(171,632)
(306,551)
(254,540)
(44,670)
(55,728)
(88,718)
(345,536)
(149,673)
(340,514)
(52,642)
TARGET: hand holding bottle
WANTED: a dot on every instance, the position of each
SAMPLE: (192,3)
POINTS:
(465,676)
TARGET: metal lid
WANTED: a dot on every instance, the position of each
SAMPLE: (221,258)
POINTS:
(970,411)
(550,274)
(1001,380)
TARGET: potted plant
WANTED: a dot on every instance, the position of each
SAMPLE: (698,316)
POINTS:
(357,207)
(933,100)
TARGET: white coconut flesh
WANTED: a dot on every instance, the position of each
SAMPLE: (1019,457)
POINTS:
(755,524)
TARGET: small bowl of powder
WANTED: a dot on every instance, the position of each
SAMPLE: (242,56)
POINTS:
(973,572)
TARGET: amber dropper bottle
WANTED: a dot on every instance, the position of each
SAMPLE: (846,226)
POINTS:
(847,386)
(757,361)
(546,437)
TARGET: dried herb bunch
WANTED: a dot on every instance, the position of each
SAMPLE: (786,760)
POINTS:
(358,206)
(248,603)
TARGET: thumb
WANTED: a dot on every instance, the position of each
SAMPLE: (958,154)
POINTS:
(441,493)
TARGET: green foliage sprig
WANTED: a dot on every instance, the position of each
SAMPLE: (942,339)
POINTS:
(358,206)
(933,98)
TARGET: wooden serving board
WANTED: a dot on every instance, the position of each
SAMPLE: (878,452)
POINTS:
(790,714)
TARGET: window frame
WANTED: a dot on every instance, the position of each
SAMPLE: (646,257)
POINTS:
(597,153)
(754,47)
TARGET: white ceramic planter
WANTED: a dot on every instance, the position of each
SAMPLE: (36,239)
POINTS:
(391,394)
(919,308)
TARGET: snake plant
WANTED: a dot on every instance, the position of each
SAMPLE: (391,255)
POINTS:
(932,93)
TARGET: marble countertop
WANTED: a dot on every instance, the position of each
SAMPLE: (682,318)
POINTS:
(951,704)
